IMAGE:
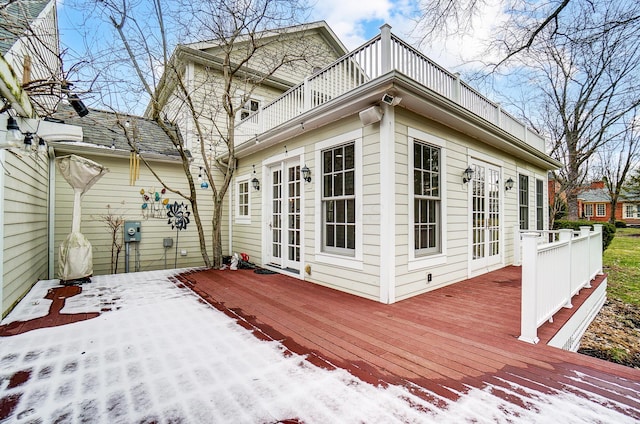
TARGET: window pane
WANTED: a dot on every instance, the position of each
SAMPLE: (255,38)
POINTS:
(417,182)
(328,185)
(331,240)
(417,156)
(337,184)
(351,211)
(327,161)
(351,237)
(338,156)
(340,236)
(349,156)
(349,183)
(340,211)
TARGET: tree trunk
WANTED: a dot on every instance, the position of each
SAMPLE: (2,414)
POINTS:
(216,232)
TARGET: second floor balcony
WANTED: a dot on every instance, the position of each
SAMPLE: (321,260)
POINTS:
(382,55)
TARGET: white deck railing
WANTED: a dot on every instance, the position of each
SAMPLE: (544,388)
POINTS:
(554,272)
(382,54)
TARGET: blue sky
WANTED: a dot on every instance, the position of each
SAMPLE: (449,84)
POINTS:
(353,21)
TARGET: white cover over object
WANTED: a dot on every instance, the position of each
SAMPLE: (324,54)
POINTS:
(76,255)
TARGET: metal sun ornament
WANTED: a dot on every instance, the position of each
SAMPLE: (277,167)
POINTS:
(178,216)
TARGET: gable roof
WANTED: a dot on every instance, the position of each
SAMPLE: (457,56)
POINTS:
(103,134)
(319,26)
(15,17)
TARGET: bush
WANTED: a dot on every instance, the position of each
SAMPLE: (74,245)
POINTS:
(621,224)
(608,229)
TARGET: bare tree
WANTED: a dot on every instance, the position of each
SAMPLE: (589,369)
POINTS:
(616,161)
(583,88)
(245,38)
(526,23)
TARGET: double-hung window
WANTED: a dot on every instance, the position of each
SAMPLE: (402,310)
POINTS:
(601,209)
(243,206)
(339,199)
(588,210)
(426,199)
(523,196)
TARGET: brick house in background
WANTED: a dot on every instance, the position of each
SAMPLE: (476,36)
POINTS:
(594,204)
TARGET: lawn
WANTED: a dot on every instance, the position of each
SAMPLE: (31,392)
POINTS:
(622,264)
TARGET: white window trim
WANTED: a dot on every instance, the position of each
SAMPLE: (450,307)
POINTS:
(588,206)
(425,261)
(241,219)
(604,205)
(355,261)
(629,206)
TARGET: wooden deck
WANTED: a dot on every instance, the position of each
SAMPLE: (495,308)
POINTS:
(444,342)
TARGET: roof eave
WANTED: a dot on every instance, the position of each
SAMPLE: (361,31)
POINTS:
(416,98)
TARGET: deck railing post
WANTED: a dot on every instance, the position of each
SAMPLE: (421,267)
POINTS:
(529,299)
(385,48)
(456,88)
(585,231)
(306,92)
(566,234)
(517,247)
(597,228)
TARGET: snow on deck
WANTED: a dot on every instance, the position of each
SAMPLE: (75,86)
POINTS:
(157,353)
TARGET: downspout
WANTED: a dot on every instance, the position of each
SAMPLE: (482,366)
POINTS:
(52,211)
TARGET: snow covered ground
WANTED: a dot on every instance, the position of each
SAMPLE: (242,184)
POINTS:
(162,355)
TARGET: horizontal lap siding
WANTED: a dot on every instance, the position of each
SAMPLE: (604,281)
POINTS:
(409,283)
(25,225)
(113,189)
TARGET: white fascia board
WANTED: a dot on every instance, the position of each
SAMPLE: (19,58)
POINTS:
(50,131)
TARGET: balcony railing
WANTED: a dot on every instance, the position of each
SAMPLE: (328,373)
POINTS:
(382,54)
(554,272)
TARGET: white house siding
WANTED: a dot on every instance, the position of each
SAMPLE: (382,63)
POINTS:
(458,151)
(25,225)
(307,44)
(113,189)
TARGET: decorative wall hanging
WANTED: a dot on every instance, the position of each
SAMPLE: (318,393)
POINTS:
(178,215)
(154,204)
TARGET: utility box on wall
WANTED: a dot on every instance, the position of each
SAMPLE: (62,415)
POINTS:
(131,231)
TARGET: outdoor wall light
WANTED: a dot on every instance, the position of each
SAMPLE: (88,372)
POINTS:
(255,183)
(306,173)
(508,185)
(468,175)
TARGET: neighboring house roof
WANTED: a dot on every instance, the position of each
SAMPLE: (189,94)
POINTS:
(601,195)
(103,134)
(597,195)
(15,17)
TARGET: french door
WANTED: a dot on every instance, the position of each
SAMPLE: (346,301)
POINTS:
(284,235)
(486,216)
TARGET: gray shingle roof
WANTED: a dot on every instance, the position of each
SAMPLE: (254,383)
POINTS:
(601,195)
(15,18)
(101,129)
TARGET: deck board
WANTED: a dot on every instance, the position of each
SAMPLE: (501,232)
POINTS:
(442,342)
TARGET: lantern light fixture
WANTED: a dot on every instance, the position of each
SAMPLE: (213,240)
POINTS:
(508,185)
(468,175)
(255,183)
(306,173)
